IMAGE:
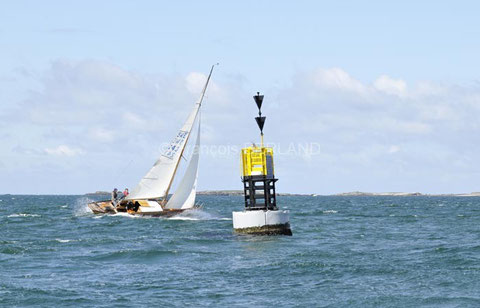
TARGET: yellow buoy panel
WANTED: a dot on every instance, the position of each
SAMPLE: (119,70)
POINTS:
(257,161)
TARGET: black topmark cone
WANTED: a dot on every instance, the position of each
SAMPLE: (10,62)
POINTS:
(258,99)
(260,122)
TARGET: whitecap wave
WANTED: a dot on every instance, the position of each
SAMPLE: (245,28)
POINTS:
(62,241)
(177,217)
(330,212)
(23,215)
(196,214)
(123,214)
(80,208)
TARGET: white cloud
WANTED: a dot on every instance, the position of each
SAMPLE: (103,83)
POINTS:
(101,134)
(64,150)
(415,128)
(428,88)
(195,82)
(392,125)
(336,78)
(393,149)
(367,131)
(429,124)
(391,86)
(133,119)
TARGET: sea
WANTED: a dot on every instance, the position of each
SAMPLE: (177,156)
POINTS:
(346,251)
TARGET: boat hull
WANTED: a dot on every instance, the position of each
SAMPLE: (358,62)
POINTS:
(106,207)
(102,207)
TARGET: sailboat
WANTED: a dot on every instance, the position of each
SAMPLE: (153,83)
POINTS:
(150,196)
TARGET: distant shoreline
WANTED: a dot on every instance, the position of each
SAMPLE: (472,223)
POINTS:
(345,194)
(405,194)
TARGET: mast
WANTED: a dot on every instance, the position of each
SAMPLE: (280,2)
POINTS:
(188,136)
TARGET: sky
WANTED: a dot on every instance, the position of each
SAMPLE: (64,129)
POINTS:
(374,96)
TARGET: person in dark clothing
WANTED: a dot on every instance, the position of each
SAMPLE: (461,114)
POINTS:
(114,197)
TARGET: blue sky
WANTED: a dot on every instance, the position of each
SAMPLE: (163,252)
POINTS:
(389,92)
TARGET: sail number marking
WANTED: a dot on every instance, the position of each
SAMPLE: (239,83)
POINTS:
(175,145)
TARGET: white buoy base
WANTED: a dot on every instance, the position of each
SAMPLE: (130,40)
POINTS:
(262,222)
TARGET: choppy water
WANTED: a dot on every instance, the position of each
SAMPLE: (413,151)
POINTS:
(345,252)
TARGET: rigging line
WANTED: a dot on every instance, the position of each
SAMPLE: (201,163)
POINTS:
(122,171)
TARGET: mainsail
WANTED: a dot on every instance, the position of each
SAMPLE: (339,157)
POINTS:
(184,196)
(156,183)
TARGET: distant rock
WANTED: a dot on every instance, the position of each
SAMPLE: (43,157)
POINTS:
(472,194)
(240,193)
(221,192)
(405,194)
(360,193)
(98,193)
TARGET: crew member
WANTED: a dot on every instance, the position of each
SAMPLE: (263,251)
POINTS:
(114,197)
(125,193)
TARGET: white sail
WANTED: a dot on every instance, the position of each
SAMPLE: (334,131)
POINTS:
(184,196)
(156,183)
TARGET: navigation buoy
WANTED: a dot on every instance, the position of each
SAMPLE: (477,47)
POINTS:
(261,214)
